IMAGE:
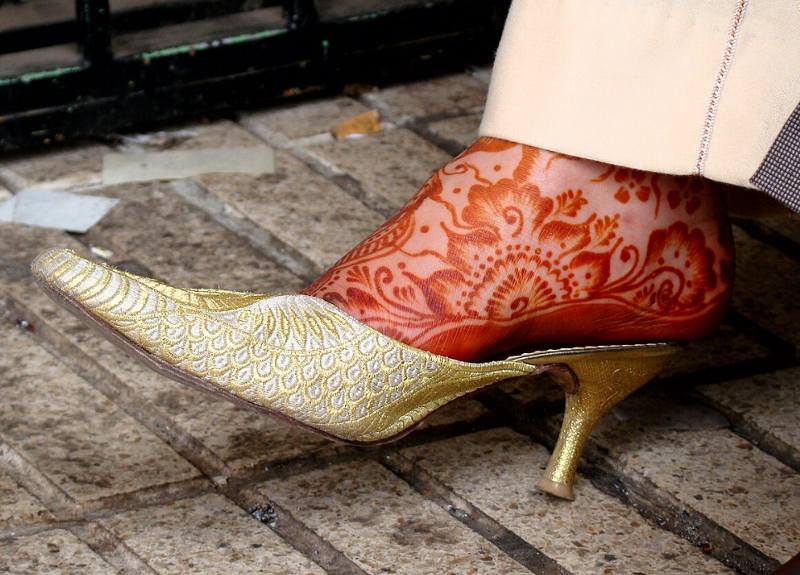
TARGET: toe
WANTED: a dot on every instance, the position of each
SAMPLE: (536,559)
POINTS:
(95,287)
(49,261)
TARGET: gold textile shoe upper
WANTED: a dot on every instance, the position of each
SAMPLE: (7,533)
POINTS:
(302,359)
(290,355)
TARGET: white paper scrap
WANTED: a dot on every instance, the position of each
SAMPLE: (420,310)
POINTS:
(59,210)
(177,164)
(7,210)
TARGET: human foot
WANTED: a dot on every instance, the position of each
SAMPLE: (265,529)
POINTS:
(304,360)
(511,240)
(509,245)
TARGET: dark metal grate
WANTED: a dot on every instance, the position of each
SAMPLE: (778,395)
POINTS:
(207,56)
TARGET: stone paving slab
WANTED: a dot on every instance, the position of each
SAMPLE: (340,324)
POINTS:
(176,232)
(16,504)
(56,551)
(449,95)
(497,471)
(788,226)
(726,348)
(459,411)
(239,437)
(533,390)
(295,204)
(180,244)
(462,130)
(392,164)
(707,467)
(657,409)
(482,73)
(307,119)
(300,207)
(80,166)
(661,434)
(379,522)
(208,535)
(322,229)
(78,438)
(764,278)
(769,401)
(194,136)
(74,166)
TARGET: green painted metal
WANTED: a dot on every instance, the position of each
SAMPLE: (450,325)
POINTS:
(200,46)
(393,41)
(41,75)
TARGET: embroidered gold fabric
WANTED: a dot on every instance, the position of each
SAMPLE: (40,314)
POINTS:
(292,354)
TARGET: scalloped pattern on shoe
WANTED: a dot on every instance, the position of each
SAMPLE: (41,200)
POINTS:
(295,355)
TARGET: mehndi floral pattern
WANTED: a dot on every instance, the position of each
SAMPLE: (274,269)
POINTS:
(482,244)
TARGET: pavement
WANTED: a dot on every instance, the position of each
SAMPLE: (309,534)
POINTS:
(106,467)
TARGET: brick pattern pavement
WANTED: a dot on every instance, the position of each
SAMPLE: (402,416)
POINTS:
(106,467)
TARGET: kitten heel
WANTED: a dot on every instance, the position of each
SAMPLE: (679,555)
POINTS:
(604,378)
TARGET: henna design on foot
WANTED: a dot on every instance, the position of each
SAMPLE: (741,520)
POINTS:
(509,245)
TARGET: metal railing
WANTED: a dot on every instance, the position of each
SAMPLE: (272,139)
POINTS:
(306,48)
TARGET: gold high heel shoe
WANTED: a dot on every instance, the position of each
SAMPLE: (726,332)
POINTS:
(302,359)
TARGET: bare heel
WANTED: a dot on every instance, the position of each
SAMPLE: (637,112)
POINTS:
(605,377)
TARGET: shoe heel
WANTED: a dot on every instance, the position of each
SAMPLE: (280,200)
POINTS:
(605,378)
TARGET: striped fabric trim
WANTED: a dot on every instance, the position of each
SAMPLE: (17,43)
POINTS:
(779,173)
